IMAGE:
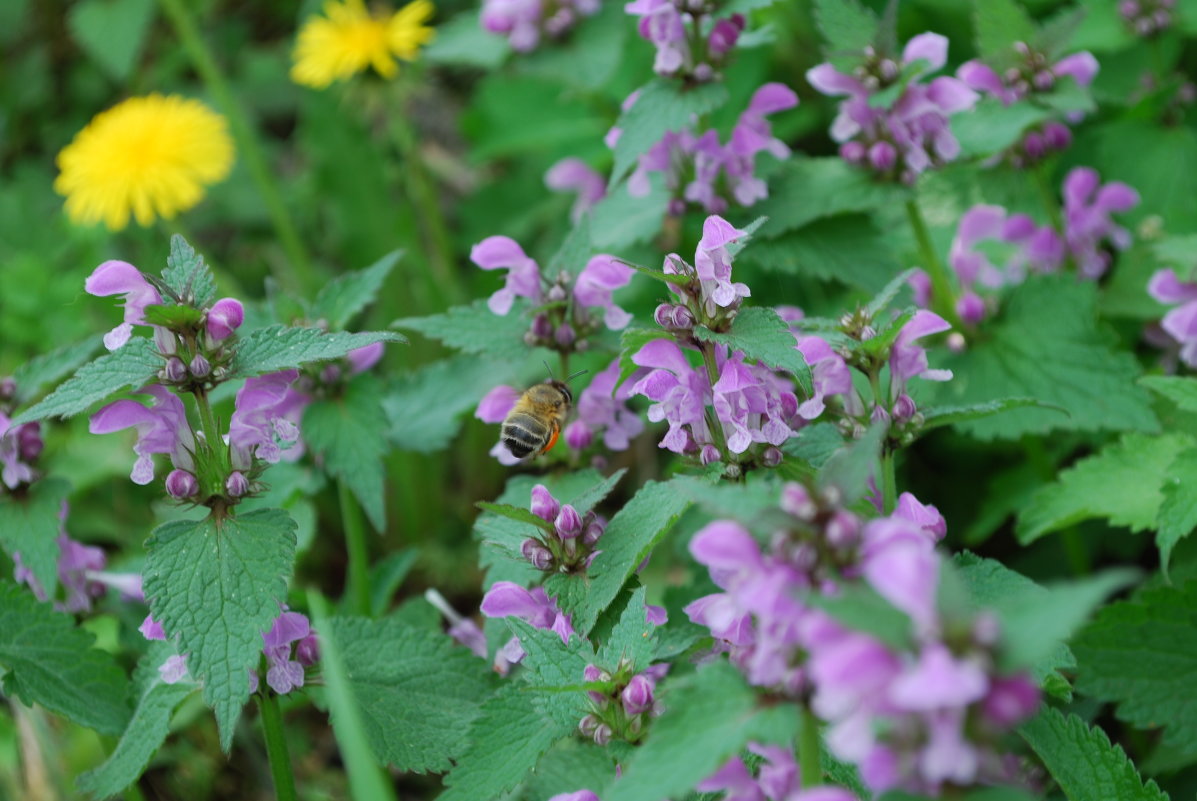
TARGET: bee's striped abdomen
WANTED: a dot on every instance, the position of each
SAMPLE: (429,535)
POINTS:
(523,433)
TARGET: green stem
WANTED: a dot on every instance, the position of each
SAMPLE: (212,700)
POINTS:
(889,482)
(355,543)
(276,746)
(207,419)
(943,299)
(708,359)
(1048,197)
(302,275)
(810,761)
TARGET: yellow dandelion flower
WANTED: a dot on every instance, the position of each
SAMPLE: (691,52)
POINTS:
(348,40)
(146,156)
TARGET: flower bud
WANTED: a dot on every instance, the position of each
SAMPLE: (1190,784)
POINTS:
(637,697)
(879,414)
(29,441)
(565,335)
(970,307)
(602,734)
(236,484)
(883,156)
(225,317)
(843,529)
(578,435)
(1128,8)
(1057,135)
(330,374)
(307,650)
(904,408)
(175,371)
(568,523)
(181,484)
(663,315)
(1034,145)
(594,530)
(771,456)
(588,725)
(541,327)
(1044,80)
(723,38)
(557,293)
(365,357)
(200,367)
(852,152)
(796,500)
(1162,19)
(709,455)
(683,318)
(544,505)
(8,388)
(704,72)
(539,556)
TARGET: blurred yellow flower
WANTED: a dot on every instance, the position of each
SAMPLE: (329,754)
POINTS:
(348,39)
(149,156)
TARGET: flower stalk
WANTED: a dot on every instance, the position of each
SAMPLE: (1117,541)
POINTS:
(358,577)
(276,746)
(809,750)
(943,298)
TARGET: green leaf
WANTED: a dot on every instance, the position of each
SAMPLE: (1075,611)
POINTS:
(1047,345)
(346,295)
(804,190)
(424,407)
(938,416)
(387,575)
(594,52)
(815,444)
(708,717)
(569,766)
(991,127)
(133,365)
(187,276)
(633,638)
(216,586)
(1083,761)
(417,692)
(475,329)
(859,607)
(1178,510)
(462,41)
(621,220)
(1179,252)
(49,661)
(999,24)
(1142,655)
(763,335)
(847,28)
(627,541)
(144,735)
(886,295)
(30,525)
(847,247)
(593,495)
(631,340)
(346,433)
(1123,484)
(517,513)
(850,468)
(662,106)
(1181,391)
(112,33)
(574,252)
(49,368)
(745,501)
(173,316)
(268,350)
(556,671)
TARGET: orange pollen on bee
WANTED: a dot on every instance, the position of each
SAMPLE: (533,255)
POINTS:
(552,439)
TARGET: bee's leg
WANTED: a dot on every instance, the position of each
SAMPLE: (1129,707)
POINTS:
(553,434)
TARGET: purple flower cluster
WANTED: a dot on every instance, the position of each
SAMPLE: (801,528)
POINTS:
(691,42)
(903,137)
(19,448)
(525,22)
(1147,17)
(699,169)
(1179,324)
(777,779)
(161,427)
(566,543)
(603,410)
(573,304)
(621,701)
(1087,224)
(534,606)
(574,175)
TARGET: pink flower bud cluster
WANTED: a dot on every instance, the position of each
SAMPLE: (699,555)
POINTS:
(623,705)
(526,22)
(567,542)
(691,42)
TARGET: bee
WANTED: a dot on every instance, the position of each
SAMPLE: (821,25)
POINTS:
(535,422)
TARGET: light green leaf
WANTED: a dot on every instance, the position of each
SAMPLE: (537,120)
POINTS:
(1123,484)
(424,407)
(1083,761)
(268,350)
(461,40)
(112,33)
(48,368)
(848,28)
(569,766)
(133,365)
(1178,510)
(763,335)
(216,587)
(417,691)
(620,220)
(849,469)
(1181,391)
(30,525)
(517,513)
(633,638)
(809,189)
(574,252)
(938,416)
(556,671)
(999,24)
(387,576)
(847,247)
(627,541)
(991,127)
(188,276)
(475,329)
(49,661)
(346,295)
(346,433)
(746,501)
(663,106)
(1048,345)
(1141,654)
(593,53)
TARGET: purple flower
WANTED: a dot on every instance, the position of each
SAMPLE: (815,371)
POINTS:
(285,674)
(680,394)
(78,566)
(599,278)
(544,505)
(16,447)
(908,360)
(495,405)
(752,135)
(181,484)
(524,22)
(174,669)
(505,599)
(577,795)
(637,697)
(523,274)
(1179,323)
(265,421)
(363,358)
(122,278)
(574,175)
(662,24)
(1087,223)
(751,405)
(713,262)
(151,629)
(938,681)
(603,408)
(225,317)
(161,428)
(829,374)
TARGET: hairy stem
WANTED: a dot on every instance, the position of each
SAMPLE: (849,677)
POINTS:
(943,299)
(810,763)
(301,275)
(358,580)
(276,746)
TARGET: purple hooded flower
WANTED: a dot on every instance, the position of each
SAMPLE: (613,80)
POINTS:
(285,674)
(1087,223)
(752,405)
(506,599)
(523,274)
(122,278)
(713,262)
(603,408)
(753,135)
(78,567)
(14,458)
(225,317)
(574,175)
(680,394)
(161,428)
(908,360)
(524,22)
(265,421)
(601,276)
(1180,323)
(829,374)
(363,358)
(495,405)
(663,24)
(577,795)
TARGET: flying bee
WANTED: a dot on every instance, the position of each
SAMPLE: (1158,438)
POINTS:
(534,423)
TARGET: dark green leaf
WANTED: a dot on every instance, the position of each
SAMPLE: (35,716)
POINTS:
(999,24)
(516,513)
(268,350)
(632,639)
(30,525)
(808,189)
(991,127)
(847,247)
(847,28)
(49,368)
(187,276)
(424,407)
(346,295)
(938,416)
(461,40)
(663,105)
(133,365)
(763,335)
(112,33)
(475,329)
(1178,510)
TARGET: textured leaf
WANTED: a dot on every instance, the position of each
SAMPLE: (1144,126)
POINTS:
(744,501)
(144,735)
(424,407)
(628,540)
(938,416)
(847,28)
(1083,761)
(112,32)
(517,513)
(991,127)
(662,106)
(34,375)
(217,587)
(808,189)
(1123,484)
(346,295)
(268,350)
(30,525)
(1181,391)
(631,340)
(999,24)
(1178,510)
(850,468)
(187,276)
(556,671)
(621,220)
(633,638)
(1142,655)
(417,691)
(708,717)
(133,365)
(763,335)
(49,661)
(1047,345)
(346,433)
(847,247)
(569,766)
(475,329)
